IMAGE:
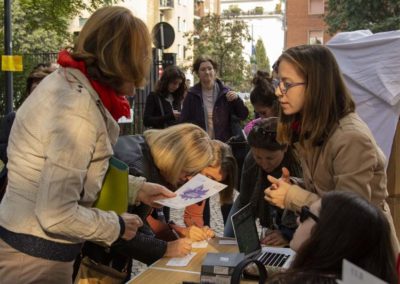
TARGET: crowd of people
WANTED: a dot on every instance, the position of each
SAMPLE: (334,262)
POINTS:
(311,170)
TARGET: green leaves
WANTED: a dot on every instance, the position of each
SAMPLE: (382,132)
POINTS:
(350,15)
(224,41)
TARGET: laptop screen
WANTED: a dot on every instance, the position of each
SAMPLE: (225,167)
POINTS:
(245,229)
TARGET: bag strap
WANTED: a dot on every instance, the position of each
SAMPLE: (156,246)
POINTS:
(161,106)
(237,272)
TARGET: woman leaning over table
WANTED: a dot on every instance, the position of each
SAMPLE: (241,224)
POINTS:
(169,157)
(58,157)
(336,149)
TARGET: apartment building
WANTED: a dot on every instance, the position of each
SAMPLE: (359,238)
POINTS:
(178,13)
(264,19)
(205,7)
(305,22)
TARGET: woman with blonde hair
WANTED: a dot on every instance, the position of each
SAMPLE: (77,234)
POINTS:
(336,149)
(168,157)
(58,158)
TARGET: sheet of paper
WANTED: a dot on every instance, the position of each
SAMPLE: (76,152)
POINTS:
(200,244)
(352,274)
(181,261)
(195,190)
(228,242)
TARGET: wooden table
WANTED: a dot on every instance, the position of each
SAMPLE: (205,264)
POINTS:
(159,272)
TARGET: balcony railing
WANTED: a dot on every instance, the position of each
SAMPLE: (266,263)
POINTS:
(166,4)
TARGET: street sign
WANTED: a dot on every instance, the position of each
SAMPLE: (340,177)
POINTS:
(163,35)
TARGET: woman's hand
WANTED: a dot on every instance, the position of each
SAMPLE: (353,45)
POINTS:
(151,192)
(276,193)
(209,232)
(132,223)
(285,175)
(195,233)
(231,96)
(274,238)
(178,248)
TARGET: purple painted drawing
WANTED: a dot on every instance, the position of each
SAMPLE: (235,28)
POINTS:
(197,192)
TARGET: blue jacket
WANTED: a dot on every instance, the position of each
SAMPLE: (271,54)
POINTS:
(193,111)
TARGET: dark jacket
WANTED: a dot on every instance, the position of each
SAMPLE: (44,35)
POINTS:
(134,151)
(153,116)
(5,129)
(193,111)
(253,183)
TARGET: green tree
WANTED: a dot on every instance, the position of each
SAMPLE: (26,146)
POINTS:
(261,58)
(223,41)
(350,15)
(38,27)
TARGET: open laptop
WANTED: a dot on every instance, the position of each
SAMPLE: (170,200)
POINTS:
(244,226)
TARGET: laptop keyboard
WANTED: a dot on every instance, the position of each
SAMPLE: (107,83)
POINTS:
(273,259)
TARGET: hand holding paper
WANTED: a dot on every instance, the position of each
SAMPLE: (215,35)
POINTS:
(195,190)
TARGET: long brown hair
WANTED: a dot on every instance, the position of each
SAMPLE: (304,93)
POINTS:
(115,46)
(170,74)
(350,228)
(327,98)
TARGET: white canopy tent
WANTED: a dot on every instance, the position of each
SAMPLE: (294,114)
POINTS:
(370,64)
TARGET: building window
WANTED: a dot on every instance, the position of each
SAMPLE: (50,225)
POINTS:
(316,37)
(184,25)
(316,7)
(179,24)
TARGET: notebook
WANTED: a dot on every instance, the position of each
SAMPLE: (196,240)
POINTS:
(114,192)
(245,229)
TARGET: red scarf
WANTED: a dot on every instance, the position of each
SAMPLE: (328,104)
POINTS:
(118,106)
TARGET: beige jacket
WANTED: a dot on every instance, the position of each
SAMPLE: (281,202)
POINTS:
(58,153)
(349,160)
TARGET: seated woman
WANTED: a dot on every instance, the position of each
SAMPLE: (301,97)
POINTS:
(223,168)
(341,225)
(266,157)
(168,157)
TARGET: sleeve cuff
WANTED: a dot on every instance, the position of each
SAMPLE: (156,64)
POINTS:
(297,197)
(121,226)
(135,185)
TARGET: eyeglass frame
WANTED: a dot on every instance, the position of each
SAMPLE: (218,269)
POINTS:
(287,86)
(306,213)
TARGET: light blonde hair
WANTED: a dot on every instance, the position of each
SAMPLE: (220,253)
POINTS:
(116,47)
(183,147)
(223,156)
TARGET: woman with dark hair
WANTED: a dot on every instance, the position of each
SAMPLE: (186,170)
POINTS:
(163,106)
(336,149)
(266,157)
(212,106)
(263,99)
(341,225)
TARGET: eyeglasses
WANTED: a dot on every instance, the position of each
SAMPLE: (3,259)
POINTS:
(286,86)
(305,213)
